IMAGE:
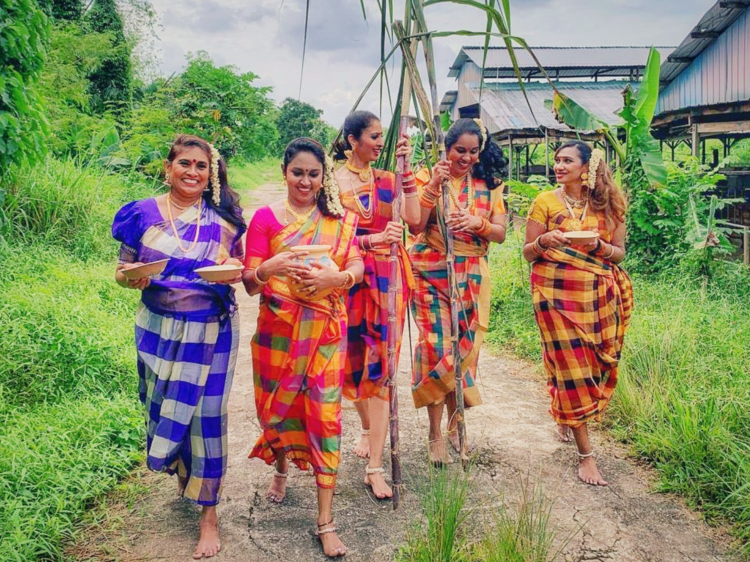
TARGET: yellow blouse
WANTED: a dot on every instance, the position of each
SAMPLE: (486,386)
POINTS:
(549,211)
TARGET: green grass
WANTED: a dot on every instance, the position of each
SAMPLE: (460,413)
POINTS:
(683,396)
(452,529)
(70,421)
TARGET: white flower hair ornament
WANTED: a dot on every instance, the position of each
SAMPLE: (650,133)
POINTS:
(594,160)
(215,182)
(331,188)
(483,131)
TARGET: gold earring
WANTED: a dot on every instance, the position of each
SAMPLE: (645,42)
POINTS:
(584,176)
(167,179)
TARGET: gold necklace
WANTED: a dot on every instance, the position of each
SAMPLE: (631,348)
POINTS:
(576,224)
(174,228)
(364,212)
(298,217)
(365,174)
(576,203)
(176,206)
(455,191)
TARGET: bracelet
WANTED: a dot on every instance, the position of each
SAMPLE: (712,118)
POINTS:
(485,230)
(256,278)
(537,246)
(427,200)
(350,280)
(611,252)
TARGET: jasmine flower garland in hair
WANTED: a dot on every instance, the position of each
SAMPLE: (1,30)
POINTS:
(215,183)
(483,131)
(594,160)
(331,189)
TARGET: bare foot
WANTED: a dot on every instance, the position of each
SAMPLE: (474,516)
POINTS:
(332,545)
(209,544)
(362,450)
(380,488)
(277,490)
(453,438)
(589,472)
(564,433)
(437,453)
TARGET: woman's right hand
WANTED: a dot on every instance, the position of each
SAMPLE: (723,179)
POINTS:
(282,264)
(140,283)
(393,232)
(440,172)
(553,239)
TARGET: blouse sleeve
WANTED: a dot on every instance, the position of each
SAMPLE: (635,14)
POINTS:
(127,229)
(538,211)
(258,240)
(422,178)
(498,205)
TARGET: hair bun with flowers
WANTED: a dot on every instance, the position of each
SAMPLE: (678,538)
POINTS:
(594,160)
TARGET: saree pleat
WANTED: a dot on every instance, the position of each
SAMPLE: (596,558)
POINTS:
(298,356)
(366,370)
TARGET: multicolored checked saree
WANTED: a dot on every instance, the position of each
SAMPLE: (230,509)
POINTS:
(186,334)
(299,349)
(366,371)
(433,376)
(583,306)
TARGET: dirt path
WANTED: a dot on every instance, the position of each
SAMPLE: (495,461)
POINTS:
(514,440)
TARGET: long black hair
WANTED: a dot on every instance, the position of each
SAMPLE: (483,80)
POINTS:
(492,165)
(304,144)
(229,208)
(354,124)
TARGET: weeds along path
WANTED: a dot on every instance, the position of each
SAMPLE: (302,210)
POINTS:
(514,441)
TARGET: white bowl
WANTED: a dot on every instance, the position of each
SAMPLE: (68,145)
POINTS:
(145,270)
(225,272)
(581,236)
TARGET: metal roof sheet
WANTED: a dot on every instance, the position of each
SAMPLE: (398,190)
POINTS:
(505,106)
(570,61)
(713,23)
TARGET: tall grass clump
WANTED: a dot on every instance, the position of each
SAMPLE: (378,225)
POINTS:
(684,387)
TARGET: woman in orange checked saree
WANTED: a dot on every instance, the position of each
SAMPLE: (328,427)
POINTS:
(370,193)
(474,166)
(582,298)
(300,343)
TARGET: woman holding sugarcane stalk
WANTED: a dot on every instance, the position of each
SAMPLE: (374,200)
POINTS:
(371,194)
(473,167)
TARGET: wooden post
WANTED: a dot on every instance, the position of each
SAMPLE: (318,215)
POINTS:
(511,157)
(746,246)
(546,154)
(695,137)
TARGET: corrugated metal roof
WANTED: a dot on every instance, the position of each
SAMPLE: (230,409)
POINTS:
(559,61)
(448,99)
(506,110)
(713,23)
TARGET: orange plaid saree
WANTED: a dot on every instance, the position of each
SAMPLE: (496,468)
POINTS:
(583,305)
(298,355)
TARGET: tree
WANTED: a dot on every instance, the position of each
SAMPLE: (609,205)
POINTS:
(24,32)
(300,119)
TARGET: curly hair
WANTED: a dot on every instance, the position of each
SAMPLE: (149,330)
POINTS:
(304,144)
(492,165)
(354,124)
(228,208)
(607,198)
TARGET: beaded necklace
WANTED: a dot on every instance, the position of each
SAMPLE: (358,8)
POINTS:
(455,192)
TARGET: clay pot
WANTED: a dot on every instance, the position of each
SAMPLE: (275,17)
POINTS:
(317,253)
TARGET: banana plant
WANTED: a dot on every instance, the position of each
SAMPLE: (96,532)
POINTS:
(635,120)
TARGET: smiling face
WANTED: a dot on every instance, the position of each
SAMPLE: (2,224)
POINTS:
(569,166)
(188,173)
(463,154)
(304,178)
(370,143)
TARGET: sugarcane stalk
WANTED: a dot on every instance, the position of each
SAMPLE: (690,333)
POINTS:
(449,250)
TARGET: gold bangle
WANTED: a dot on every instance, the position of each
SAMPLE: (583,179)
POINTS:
(485,230)
(256,278)
(427,200)
(611,252)
(350,280)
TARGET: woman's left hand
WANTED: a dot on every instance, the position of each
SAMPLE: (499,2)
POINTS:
(238,277)
(590,246)
(318,277)
(403,148)
(463,221)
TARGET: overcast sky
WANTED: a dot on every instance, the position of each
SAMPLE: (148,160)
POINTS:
(343,50)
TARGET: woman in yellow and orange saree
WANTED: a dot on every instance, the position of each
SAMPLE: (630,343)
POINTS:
(370,194)
(582,298)
(474,166)
(300,343)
